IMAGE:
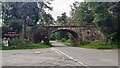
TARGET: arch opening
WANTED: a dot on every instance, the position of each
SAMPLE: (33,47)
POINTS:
(75,36)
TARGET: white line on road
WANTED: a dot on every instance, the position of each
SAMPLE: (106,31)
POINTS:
(58,52)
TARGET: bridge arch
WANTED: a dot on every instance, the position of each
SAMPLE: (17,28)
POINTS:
(76,38)
(66,30)
(74,34)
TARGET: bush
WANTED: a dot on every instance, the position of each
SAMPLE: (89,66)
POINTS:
(63,40)
(85,42)
(97,42)
(17,42)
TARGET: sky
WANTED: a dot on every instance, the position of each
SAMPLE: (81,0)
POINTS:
(60,6)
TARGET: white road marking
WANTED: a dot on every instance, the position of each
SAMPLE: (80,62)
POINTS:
(37,52)
(58,52)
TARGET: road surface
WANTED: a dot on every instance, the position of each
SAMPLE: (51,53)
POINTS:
(35,57)
(60,55)
(90,57)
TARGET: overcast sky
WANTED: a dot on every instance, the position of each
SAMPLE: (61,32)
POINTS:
(60,6)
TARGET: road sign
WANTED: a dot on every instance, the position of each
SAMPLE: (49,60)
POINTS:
(11,34)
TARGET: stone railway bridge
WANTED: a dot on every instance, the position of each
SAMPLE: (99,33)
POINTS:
(80,33)
(77,31)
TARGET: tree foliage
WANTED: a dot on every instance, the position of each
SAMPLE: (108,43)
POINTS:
(105,15)
(17,16)
(29,12)
(62,20)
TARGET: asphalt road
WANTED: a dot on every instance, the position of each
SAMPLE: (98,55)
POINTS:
(89,57)
(36,57)
(60,55)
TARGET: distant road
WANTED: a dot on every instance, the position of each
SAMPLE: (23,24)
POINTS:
(89,57)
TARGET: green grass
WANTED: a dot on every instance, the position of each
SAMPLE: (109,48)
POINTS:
(100,45)
(31,46)
(106,46)
(67,43)
(95,45)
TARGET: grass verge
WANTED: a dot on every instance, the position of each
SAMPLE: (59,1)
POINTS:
(66,42)
(95,45)
(105,46)
(30,46)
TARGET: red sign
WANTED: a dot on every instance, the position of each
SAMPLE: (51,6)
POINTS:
(11,34)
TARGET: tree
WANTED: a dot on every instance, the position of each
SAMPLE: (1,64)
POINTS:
(62,20)
(21,10)
(25,13)
(116,19)
(104,19)
(104,15)
(82,13)
(48,19)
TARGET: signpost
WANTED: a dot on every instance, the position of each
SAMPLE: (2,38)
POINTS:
(11,34)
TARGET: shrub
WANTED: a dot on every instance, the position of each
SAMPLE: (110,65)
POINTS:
(85,42)
(17,42)
(63,40)
(97,42)
(100,45)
